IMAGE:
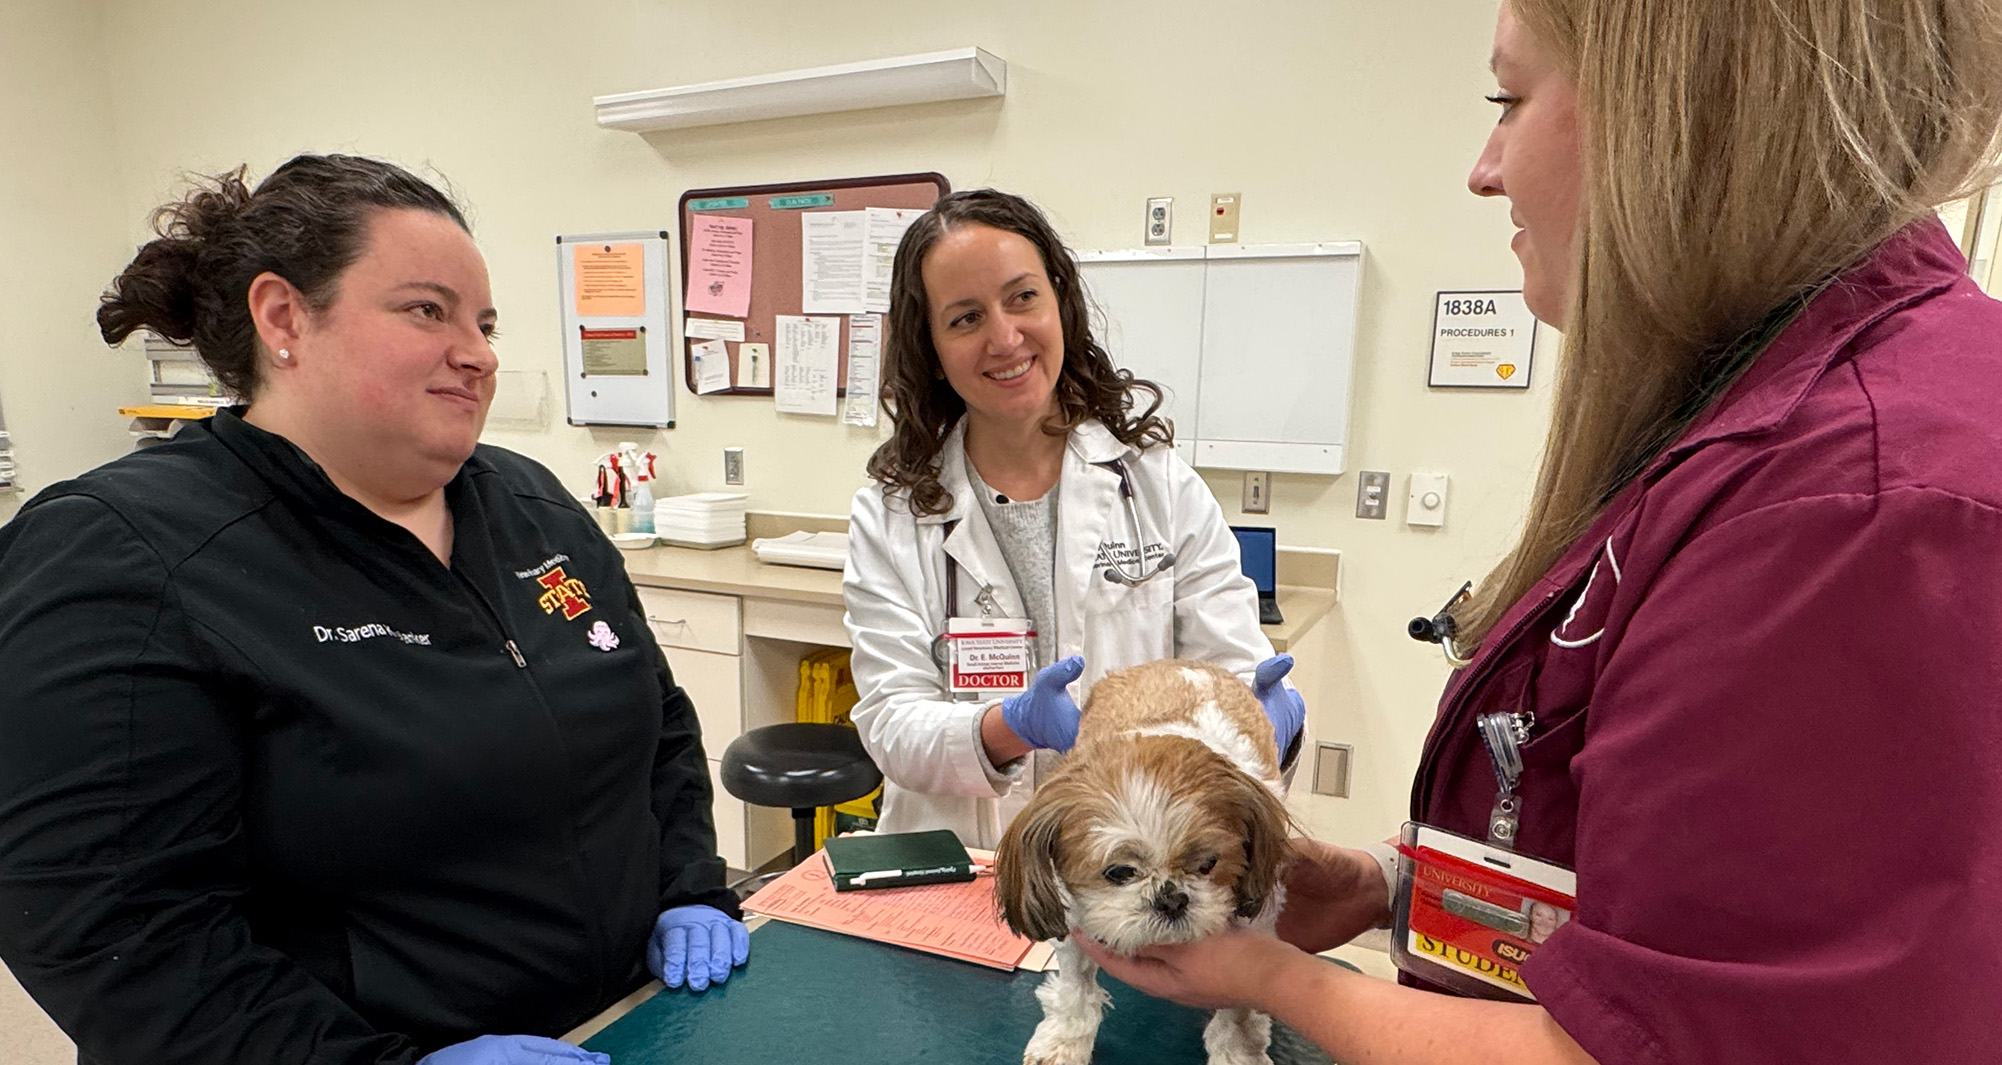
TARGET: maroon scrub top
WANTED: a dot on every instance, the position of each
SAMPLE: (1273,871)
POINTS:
(1768,696)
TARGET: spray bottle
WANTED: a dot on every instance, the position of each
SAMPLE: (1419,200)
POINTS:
(640,468)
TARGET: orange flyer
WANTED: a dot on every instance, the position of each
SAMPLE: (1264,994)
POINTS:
(611,280)
(957,920)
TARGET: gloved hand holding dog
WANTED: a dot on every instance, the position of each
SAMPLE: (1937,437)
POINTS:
(1045,715)
(1283,706)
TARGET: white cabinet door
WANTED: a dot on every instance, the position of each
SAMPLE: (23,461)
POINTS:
(729,814)
(714,685)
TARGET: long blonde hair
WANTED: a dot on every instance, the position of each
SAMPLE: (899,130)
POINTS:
(1737,155)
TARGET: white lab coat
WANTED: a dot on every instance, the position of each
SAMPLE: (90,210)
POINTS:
(921,735)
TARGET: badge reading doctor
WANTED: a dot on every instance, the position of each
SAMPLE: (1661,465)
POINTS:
(989,654)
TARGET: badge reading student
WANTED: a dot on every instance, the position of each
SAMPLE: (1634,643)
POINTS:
(1468,914)
(989,654)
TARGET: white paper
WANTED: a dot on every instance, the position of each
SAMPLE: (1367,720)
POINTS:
(807,355)
(865,345)
(830,262)
(712,367)
(712,329)
(882,227)
(754,366)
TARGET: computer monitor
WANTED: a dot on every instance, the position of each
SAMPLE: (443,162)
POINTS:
(1258,557)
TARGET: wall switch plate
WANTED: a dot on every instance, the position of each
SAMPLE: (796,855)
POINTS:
(1160,219)
(733,465)
(1428,499)
(1257,493)
(1371,488)
(1332,762)
(1223,217)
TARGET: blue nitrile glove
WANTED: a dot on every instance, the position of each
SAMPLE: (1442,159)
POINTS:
(1283,706)
(512,1050)
(697,946)
(1046,716)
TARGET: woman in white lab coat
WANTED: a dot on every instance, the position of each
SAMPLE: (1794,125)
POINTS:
(1026,478)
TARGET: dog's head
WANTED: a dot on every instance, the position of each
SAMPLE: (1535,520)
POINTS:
(1157,839)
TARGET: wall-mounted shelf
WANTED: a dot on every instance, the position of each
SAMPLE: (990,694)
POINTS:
(958,74)
(156,423)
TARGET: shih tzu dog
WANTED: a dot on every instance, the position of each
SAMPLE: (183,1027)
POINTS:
(1166,823)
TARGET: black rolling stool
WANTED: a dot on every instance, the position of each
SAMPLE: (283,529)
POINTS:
(802,766)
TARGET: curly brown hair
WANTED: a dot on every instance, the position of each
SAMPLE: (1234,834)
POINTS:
(923,406)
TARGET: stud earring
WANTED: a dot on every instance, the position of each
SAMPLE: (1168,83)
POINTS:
(284,354)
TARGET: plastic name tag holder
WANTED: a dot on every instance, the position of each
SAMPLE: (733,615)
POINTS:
(992,656)
(1468,914)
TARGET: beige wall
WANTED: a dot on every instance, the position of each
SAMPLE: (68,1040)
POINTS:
(1337,120)
(65,238)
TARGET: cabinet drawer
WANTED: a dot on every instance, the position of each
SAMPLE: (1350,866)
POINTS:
(693,619)
(728,811)
(777,619)
(714,686)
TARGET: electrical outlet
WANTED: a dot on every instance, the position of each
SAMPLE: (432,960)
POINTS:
(1223,217)
(733,465)
(1160,219)
(1257,493)
(1332,763)
(1371,489)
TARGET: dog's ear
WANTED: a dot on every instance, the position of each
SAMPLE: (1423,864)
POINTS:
(1267,827)
(1025,865)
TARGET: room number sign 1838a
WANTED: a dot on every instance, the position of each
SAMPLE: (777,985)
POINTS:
(1482,340)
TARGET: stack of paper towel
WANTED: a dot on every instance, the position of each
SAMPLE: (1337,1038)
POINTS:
(704,519)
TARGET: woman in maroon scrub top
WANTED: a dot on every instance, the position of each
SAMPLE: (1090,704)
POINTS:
(1755,610)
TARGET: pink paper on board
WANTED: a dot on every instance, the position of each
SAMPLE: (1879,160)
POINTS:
(719,266)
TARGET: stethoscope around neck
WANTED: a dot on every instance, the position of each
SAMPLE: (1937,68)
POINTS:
(1117,572)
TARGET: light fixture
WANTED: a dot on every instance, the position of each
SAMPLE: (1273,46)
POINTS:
(958,74)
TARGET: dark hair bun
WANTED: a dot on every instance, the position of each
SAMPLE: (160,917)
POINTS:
(307,223)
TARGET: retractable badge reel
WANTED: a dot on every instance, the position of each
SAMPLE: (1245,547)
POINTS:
(1468,912)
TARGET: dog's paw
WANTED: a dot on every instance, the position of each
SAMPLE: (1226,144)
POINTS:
(1062,1039)
(1238,1037)
(1058,1052)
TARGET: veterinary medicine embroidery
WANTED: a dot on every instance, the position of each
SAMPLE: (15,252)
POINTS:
(991,655)
(1468,914)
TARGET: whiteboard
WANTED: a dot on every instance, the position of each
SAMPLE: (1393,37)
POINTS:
(1152,303)
(1279,325)
(1256,341)
(644,398)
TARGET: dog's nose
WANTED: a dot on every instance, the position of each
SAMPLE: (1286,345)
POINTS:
(1171,902)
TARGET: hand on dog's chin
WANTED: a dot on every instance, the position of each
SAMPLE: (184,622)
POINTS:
(1224,971)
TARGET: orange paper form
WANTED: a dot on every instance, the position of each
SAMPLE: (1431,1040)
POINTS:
(956,920)
(611,280)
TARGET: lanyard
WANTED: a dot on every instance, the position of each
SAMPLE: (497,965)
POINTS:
(1503,734)
(985,601)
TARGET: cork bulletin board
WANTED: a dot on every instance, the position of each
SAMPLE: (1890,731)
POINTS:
(777,253)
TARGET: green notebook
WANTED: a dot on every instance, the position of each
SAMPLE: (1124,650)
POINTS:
(898,859)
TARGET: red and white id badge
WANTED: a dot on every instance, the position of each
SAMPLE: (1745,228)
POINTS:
(1467,915)
(989,654)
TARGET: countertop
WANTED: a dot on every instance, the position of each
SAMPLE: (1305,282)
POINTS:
(736,571)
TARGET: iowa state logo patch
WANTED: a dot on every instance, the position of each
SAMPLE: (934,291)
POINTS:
(563,592)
